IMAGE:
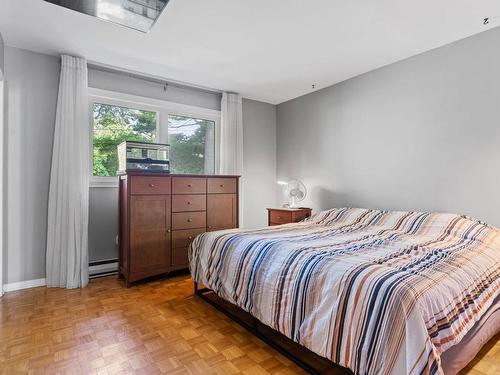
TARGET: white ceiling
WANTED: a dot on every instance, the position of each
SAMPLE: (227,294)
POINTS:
(268,50)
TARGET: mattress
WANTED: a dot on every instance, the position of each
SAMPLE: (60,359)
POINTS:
(378,292)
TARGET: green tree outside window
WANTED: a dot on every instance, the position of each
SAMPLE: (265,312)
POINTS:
(112,126)
(190,150)
(191,140)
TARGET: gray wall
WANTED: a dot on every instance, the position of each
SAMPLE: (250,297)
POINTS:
(421,134)
(31,96)
(1,57)
(3,182)
(31,93)
(259,162)
(103,223)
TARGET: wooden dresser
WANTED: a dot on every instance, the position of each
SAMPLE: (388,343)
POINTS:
(160,214)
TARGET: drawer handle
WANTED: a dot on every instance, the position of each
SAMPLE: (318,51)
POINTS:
(279,217)
(190,237)
(190,185)
(190,220)
(221,185)
(168,230)
(152,185)
(209,227)
(189,202)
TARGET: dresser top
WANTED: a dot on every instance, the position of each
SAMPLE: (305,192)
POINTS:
(161,174)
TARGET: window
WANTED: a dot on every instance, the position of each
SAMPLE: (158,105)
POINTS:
(114,124)
(192,144)
(192,133)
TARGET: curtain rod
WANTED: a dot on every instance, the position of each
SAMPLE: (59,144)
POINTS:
(149,77)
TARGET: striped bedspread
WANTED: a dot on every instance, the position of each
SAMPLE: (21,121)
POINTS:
(377,292)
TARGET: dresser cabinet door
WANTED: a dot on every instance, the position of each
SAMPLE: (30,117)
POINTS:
(150,234)
(222,211)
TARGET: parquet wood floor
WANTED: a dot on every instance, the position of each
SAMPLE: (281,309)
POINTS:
(153,328)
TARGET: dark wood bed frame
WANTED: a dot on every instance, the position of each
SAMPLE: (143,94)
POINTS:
(309,361)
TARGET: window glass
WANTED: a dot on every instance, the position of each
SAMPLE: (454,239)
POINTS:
(114,124)
(192,145)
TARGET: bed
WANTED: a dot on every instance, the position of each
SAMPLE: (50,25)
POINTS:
(375,292)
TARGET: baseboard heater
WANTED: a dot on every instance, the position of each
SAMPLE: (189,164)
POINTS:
(101,268)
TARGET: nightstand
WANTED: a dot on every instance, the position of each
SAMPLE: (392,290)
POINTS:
(278,216)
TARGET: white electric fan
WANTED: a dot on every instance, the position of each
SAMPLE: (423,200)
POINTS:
(295,192)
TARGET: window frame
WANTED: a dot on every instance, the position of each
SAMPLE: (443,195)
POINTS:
(163,108)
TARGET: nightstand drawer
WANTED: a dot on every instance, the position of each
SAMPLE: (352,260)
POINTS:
(280,217)
(189,185)
(189,220)
(300,215)
(184,203)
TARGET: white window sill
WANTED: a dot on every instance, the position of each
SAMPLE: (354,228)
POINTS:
(103,182)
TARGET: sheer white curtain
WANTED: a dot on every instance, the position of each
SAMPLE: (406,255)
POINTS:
(67,249)
(209,163)
(231,135)
(231,141)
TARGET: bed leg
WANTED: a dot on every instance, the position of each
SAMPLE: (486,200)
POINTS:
(199,290)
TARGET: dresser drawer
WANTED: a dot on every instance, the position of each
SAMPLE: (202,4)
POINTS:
(280,217)
(180,258)
(218,185)
(149,185)
(189,185)
(189,220)
(182,203)
(183,238)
